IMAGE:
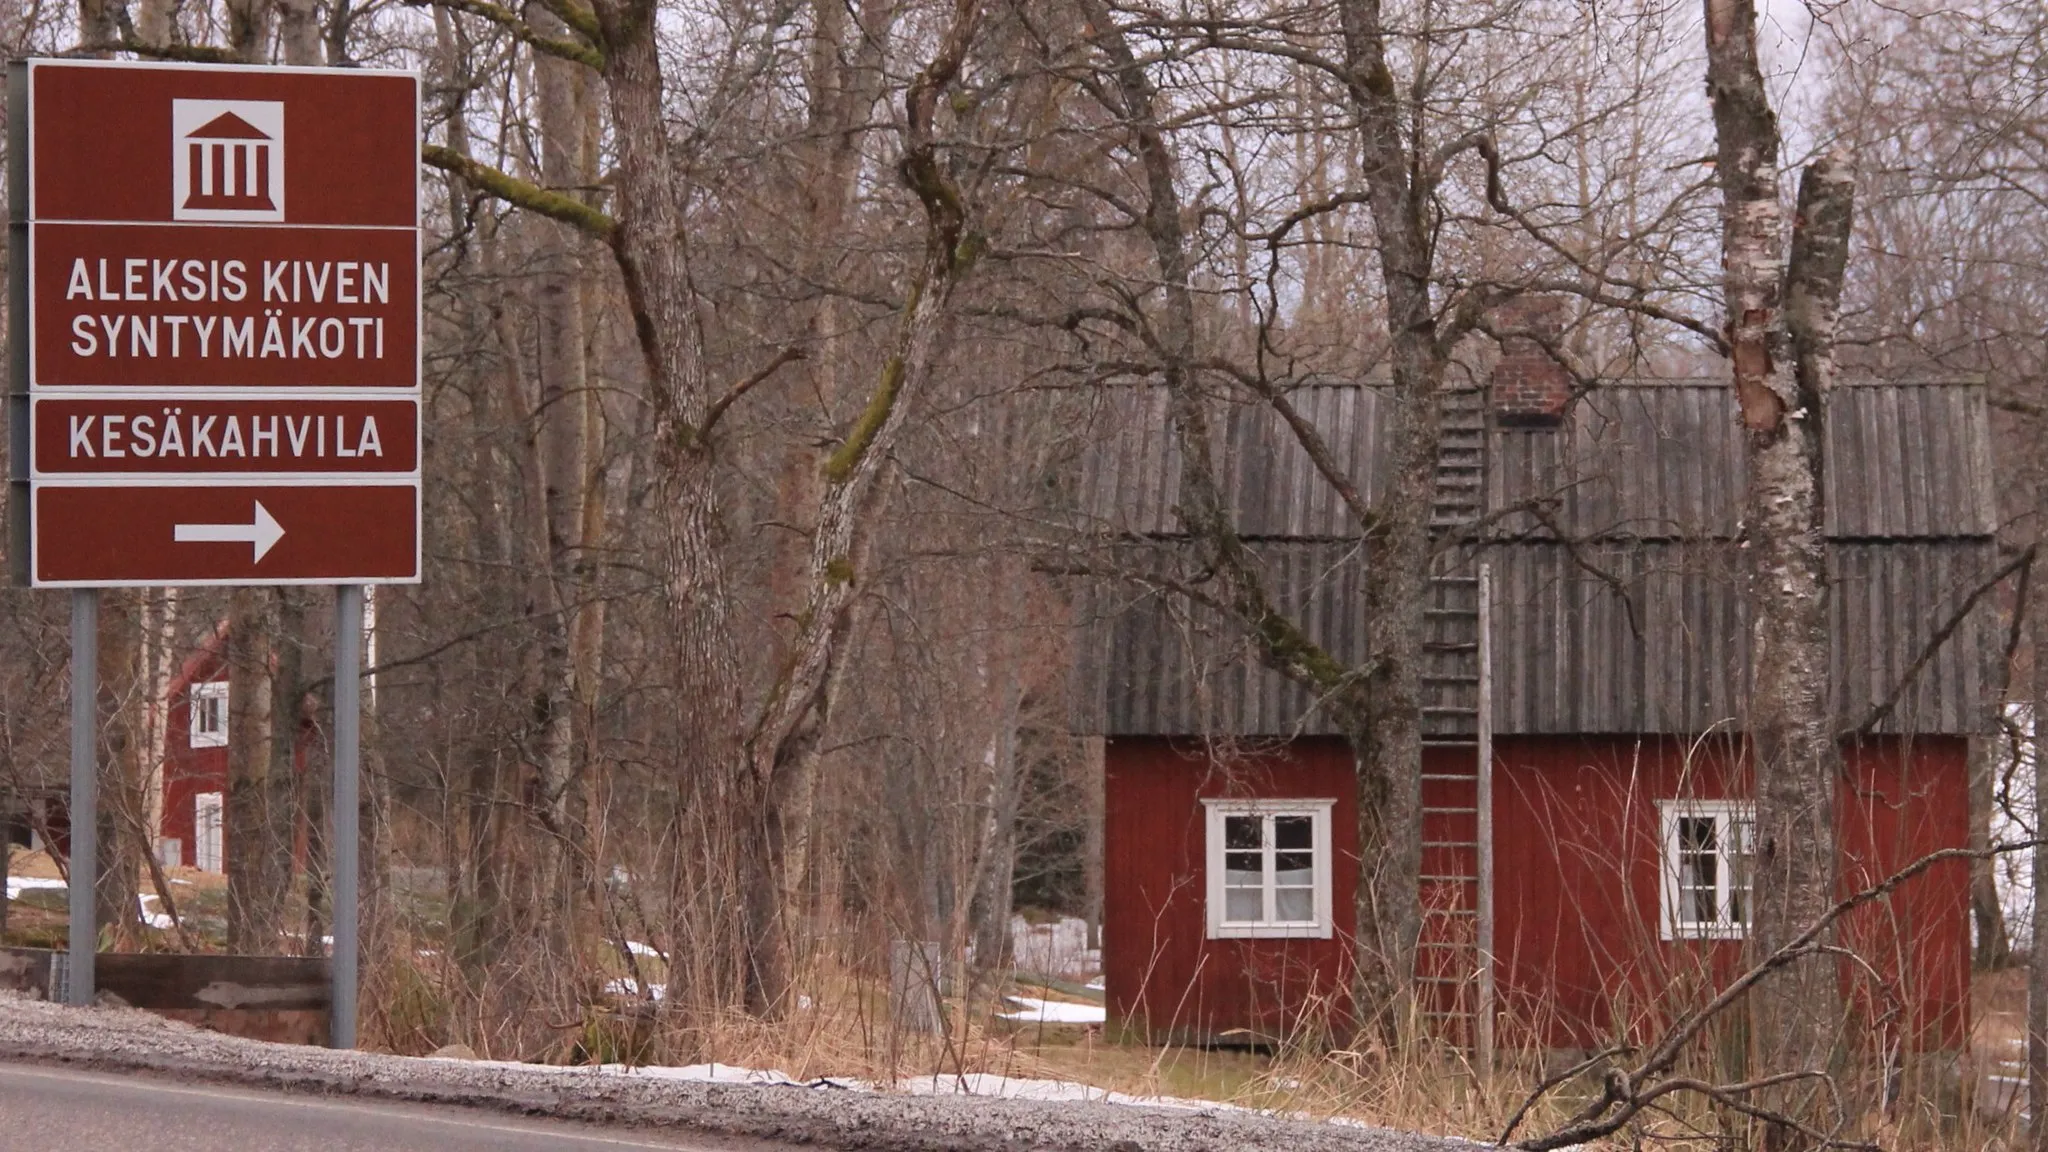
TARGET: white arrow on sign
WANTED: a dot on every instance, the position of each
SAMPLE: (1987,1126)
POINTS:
(263,533)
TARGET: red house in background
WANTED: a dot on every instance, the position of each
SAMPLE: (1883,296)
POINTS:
(1612,638)
(195,767)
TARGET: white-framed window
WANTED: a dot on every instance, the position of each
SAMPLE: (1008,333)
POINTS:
(207,821)
(1709,846)
(210,714)
(1268,868)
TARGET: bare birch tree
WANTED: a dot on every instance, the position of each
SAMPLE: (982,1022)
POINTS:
(1781,319)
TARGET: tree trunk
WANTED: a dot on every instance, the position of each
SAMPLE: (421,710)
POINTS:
(120,824)
(560,470)
(844,82)
(251,626)
(650,244)
(1397,572)
(282,786)
(998,857)
(164,656)
(1781,327)
(298,32)
(1388,743)
(777,750)
(98,32)
(248,29)
(1994,946)
(2037,943)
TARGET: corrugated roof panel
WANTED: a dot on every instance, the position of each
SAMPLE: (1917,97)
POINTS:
(1656,469)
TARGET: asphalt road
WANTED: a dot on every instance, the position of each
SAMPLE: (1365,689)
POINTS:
(53,1109)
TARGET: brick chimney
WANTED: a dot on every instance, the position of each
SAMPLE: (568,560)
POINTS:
(1529,388)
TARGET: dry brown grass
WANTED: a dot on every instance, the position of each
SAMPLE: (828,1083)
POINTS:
(845,1029)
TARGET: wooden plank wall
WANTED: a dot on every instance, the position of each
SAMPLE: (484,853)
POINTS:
(1577,862)
(1164,978)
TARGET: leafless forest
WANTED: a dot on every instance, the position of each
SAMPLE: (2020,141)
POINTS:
(764,338)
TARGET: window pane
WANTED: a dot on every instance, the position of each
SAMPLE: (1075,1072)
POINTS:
(1696,834)
(1697,906)
(1243,869)
(1296,904)
(1243,904)
(1699,869)
(1242,832)
(1290,863)
(1294,832)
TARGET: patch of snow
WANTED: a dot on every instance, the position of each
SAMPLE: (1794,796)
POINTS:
(1100,984)
(734,1074)
(1015,1088)
(16,885)
(1033,1010)
(626,986)
(708,1074)
(639,949)
(943,1084)
(159,920)
(186,883)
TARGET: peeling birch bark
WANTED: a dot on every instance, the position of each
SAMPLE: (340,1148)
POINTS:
(1781,327)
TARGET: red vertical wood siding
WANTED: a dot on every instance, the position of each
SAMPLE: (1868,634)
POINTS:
(1163,975)
(1577,866)
(1577,860)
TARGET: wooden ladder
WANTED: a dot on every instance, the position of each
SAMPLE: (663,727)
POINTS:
(1453,968)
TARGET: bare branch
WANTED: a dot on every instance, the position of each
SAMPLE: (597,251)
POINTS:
(582,53)
(522,193)
(788,355)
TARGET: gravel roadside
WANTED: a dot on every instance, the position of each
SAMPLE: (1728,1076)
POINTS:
(126,1040)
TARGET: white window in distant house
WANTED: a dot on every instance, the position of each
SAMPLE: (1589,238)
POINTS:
(206,823)
(1708,849)
(1268,868)
(210,714)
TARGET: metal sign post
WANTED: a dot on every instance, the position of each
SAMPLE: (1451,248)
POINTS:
(84,939)
(348,715)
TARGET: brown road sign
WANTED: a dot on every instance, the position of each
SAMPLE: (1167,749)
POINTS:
(209,306)
(216,324)
(89,534)
(77,436)
(147,143)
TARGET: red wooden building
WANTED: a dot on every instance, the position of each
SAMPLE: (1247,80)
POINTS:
(193,829)
(193,832)
(1611,638)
